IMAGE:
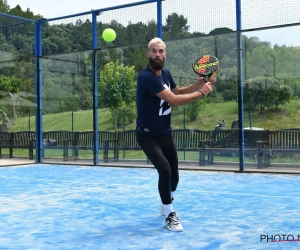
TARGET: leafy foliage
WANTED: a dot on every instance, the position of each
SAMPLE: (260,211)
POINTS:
(265,92)
(220,30)
(10,84)
(117,87)
(193,110)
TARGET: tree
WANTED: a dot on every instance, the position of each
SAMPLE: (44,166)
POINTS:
(193,109)
(265,92)
(175,27)
(228,87)
(4,7)
(136,55)
(12,100)
(220,30)
(117,87)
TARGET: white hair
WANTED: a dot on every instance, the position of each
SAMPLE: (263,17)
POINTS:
(158,41)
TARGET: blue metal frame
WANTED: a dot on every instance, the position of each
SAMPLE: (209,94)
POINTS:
(38,91)
(20,18)
(100,10)
(95,86)
(240,83)
(159,18)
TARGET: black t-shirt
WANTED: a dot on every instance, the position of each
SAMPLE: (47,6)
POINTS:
(153,113)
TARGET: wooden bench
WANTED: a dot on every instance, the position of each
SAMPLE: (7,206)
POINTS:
(17,140)
(226,142)
(59,139)
(223,142)
(186,140)
(106,141)
(189,140)
(280,142)
(5,143)
(207,143)
(126,141)
(78,141)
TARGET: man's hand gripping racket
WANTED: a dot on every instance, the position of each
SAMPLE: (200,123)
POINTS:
(206,66)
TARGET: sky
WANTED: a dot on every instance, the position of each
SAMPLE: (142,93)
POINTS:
(56,8)
(289,36)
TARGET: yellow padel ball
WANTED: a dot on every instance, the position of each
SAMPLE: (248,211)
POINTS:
(109,35)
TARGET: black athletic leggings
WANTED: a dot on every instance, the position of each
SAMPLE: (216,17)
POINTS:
(162,153)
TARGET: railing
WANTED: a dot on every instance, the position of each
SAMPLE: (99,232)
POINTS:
(206,142)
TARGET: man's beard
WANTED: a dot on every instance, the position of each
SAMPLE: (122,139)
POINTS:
(157,64)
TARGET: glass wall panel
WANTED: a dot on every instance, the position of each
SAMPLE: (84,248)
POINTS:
(67,107)
(205,117)
(271,94)
(17,105)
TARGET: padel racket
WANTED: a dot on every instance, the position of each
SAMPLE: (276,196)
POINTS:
(206,66)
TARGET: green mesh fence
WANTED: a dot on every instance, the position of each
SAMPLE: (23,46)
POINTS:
(16,35)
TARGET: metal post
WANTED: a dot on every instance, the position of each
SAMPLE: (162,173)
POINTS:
(72,121)
(38,91)
(29,121)
(105,151)
(159,18)
(240,83)
(95,86)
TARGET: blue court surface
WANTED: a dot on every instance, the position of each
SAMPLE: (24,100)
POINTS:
(83,207)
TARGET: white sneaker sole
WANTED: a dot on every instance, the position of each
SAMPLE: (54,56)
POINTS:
(179,228)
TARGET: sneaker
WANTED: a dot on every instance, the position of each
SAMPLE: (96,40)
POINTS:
(172,223)
(162,209)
